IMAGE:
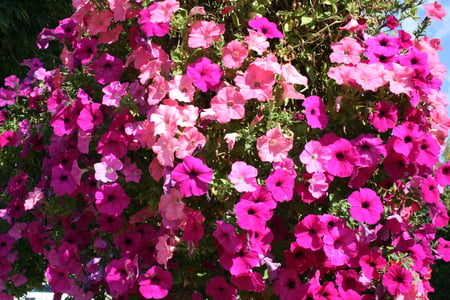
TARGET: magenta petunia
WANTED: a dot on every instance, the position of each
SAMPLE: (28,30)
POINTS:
(107,68)
(397,280)
(111,199)
(120,276)
(315,112)
(281,184)
(205,74)
(192,176)
(366,206)
(251,215)
(268,28)
(309,232)
(384,116)
(219,288)
(155,283)
(344,157)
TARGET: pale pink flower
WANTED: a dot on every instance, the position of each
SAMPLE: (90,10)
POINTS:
(292,76)
(257,41)
(181,88)
(106,170)
(243,176)
(190,140)
(165,246)
(435,10)
(318,185)
(234,54)
(230,139)
(346,51)
(33,198)
(228,104)
(165,119)
(204,33)
(157,90)
(188,115)
(274,146)
(165,148)
(315,157)
(369,76)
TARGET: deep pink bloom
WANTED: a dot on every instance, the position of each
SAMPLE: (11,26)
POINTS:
(107,68)
(251,215)
(366,206)
(251,281)
(370,149)
(111,199)
(205,74)
(372,263)
(260,195)
(405,137)
(384,116)
(62,181)
(397,280)
(443,174)
(309,232)
(263,25)
(219,289)
(6,244)
(85,50)
(443,249)
(315,111)
(120,276)
(89,117)
(343,156)
(391,22)
(155,283)
(226,236)
(288,286)
(192,176)
(281,184)
(58,279)
(340,245)
(300,259)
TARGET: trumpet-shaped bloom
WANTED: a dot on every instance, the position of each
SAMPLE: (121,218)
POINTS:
(234,54)
(256,83)
(228,104)
(192,176)
(273,146)
(243,176)
(205,74)
(110,199)
(204,33)
(435,10)
(263,25)
(315,111)
(155,283)
(366,206)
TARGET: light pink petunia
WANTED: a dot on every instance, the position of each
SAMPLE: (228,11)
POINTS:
(315,157)
(204,33)
(256,83)
(228,104)
(243,176)
(234,54)
(435,10)
(274,146)
(346,51)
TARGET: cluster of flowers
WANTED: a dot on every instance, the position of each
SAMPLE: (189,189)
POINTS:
(156,191)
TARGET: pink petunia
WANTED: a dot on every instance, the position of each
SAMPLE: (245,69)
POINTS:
(315,111)
(111,199)
(256,83)
(263,25)
(234,54)
(435,10)
(192,176)
(107,68)
(397,280)
(366,206)
(228,104)
(343,156)
(243,176)
(281,184)
(309,232)
(257,41)
(204,33)
(251,215)
(106,170)
(205,74)
(219,288)
(384,116)
(181,88)
(346,51)
(155,283)
(273,146)
(315,157)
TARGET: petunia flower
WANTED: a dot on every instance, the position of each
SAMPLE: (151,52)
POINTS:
(315,112)
(111,199)
(435,10)
(273,146)
(205,74)
(366,206)
(204,33)
(243,176)
(281,184)
(397,280)
(192,177)
(263,25)
(155,283)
